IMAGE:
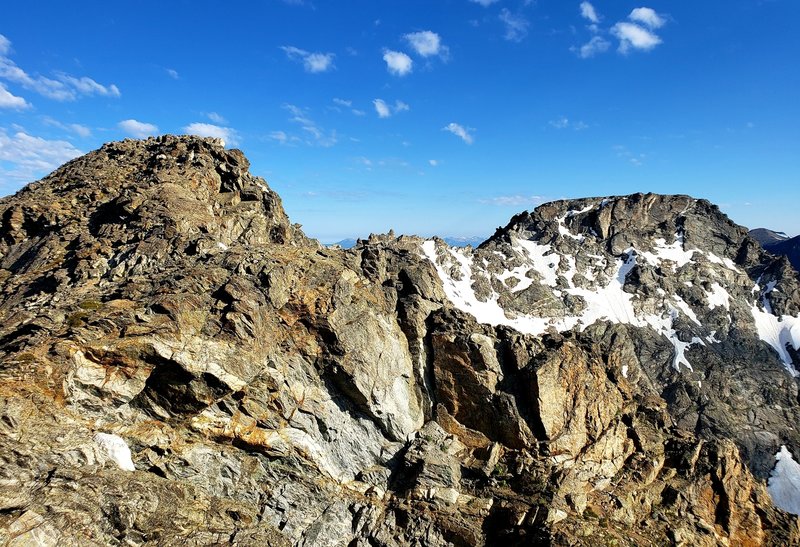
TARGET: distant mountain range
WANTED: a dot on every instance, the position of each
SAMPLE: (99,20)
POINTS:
(452,241)
(779,243)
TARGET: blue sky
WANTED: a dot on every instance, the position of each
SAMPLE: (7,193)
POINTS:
(430,117)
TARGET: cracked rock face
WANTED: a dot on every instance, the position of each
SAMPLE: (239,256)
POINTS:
(180,365)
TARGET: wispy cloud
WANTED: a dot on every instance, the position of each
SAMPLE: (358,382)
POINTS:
(62,87)
(316,134)
(228,135)
(138,129)
(427,43)
(283,138)
(433,163)
(172,73)
(385,110)
(484,3)
(563,122)
(589,13)
(216,118)
(9,100)
(78,129)
(635,159)
(593,47)
(312,62)
(516,200)
(346,103)
(516,25)
(397,62)
(460,131)
(31,157)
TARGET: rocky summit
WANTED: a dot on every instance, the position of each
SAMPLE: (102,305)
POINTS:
(180,365)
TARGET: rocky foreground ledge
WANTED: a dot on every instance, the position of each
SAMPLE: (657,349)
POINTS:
(180,365)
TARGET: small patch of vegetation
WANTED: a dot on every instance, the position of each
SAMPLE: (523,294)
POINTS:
(500,469)
(77,319)
(90,305)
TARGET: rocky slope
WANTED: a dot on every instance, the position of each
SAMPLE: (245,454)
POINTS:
(182,366)
(779,243)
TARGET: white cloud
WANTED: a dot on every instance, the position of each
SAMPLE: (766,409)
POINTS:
(138,129)
(400,106)
(31,157)
(318,135)
(648,16)
(9,100)
(588,12)
(312,62)
(172,73)
(228,135)
(565,123)
(78,129)
(594,46)
(216,118)
(5,45)
(426,43)
(279,136)
(397,62)
(484,3)
(632,35)
(433,163)
(86,86)
(517,200)
(516,25)
(63,88)
(636,159)
(460,132)
(382,108)
(346,103)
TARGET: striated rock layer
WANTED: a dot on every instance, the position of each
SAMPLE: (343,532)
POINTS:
(182,366)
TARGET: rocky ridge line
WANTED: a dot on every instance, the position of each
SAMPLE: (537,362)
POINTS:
(160,312)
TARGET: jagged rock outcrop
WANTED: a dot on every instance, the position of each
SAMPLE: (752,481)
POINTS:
(779,244)
(180,365)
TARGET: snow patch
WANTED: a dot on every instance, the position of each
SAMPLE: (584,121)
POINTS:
(673,252)
(718,297)
(778,332)
(609,302)
(784,482)
(687,311)
(727,262)
(542,260)
(116,449)
(564,231)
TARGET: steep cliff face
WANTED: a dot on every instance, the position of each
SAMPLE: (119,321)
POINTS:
(181,365)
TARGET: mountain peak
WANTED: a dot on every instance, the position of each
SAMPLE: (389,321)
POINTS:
(593,370)
(190,188)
